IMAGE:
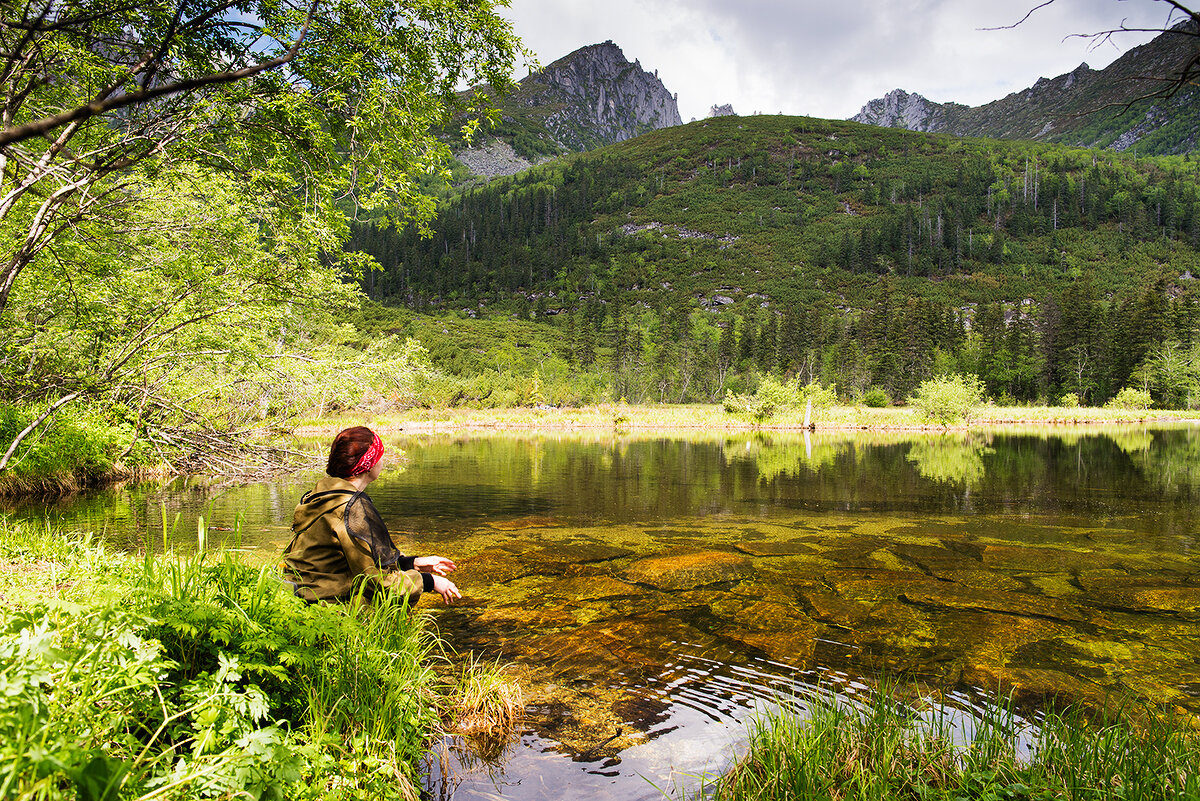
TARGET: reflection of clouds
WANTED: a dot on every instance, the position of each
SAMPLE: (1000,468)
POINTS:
(950,458)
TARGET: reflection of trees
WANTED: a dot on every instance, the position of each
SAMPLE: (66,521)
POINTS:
(950,457)
(1169,461)
(785,455)
(1132,441)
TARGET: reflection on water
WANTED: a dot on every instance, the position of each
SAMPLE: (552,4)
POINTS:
(651,592)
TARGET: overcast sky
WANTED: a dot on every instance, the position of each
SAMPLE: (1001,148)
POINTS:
(826,58)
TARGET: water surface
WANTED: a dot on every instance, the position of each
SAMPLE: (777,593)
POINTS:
(651,591)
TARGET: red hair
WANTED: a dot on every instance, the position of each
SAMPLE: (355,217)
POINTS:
(348,449)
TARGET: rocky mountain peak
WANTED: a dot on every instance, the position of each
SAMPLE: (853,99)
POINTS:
(600,97)
(901,109)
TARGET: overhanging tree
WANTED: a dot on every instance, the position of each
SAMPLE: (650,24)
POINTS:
(299,113)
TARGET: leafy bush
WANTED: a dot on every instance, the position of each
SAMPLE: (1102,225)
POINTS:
(751,406)
(1070,400)
(821,397)
(876,398)
(779,395)
(1131,398)
(949,399)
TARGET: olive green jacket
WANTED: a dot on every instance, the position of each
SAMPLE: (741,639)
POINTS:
(325,563)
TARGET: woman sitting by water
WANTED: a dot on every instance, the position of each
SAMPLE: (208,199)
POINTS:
(340,546)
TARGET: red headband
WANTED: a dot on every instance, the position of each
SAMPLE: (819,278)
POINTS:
(370,458)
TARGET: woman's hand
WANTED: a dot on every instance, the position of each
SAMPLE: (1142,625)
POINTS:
(438,565)
(445,588)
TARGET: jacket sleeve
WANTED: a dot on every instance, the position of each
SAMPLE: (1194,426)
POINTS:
(358,556)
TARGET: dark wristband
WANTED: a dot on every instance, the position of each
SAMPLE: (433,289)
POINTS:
(427,580)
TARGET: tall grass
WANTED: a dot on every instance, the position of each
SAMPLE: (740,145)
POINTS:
(199,676)
(889,749)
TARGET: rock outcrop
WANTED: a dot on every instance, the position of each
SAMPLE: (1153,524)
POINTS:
(585,100)
(901,109)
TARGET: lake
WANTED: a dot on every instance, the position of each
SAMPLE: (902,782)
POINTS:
(652,591)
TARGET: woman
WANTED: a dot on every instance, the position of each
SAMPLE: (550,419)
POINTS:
(340,546)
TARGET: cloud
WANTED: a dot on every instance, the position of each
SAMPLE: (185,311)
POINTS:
(827,59)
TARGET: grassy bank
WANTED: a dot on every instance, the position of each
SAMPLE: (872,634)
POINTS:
(889,749)
(714,417)
(186,677)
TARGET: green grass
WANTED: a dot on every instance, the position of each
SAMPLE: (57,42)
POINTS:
(889,749)
(682,417)
(190,676)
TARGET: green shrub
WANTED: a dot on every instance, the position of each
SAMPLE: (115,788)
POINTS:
(752,406)
(1070,400)
(184,678)
(876,398)
(778,395)
(1130,398)
(821,397)
(949,399)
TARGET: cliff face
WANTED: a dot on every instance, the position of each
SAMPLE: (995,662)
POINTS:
(587,99)
(599,98)
(1083,107)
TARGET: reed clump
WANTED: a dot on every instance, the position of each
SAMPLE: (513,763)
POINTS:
(486,700)
(889,749)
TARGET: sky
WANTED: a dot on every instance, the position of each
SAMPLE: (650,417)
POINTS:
(827,58)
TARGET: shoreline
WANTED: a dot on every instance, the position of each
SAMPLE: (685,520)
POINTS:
(690,418)
(623,420)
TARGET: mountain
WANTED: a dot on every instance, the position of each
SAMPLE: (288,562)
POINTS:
(1083,107)
(587,99)
(861,255)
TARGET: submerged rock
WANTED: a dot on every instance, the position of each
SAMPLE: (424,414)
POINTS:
(949,596)
(492,567)
(983,579)
(1044,560)
(775,548)
(795,647)
(688,571)
(1181,601)
(557,558)
(759,615)
(829,607)
(531,521)
(590,588)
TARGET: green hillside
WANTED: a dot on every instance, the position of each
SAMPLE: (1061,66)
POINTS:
(692,260)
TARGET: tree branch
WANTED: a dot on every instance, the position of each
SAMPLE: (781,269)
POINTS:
(97,107)
(29,429)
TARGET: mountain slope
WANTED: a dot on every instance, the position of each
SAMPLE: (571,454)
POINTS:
(860,255)
(1083,107)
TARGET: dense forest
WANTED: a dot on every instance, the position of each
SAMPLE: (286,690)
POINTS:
(691,261)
